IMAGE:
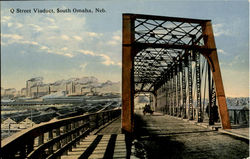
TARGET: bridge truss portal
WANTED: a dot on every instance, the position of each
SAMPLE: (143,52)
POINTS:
(175,57)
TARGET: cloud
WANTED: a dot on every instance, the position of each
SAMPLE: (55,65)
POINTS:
(116,39)
(23,52)
(68,19)
(51,37)
(50,20)
(36,27)
(51,51)
(237,57)
(12,36)
(83,66)
(65,37)
(119,64)
(68,55)
(237,60)
(53,27)
(77,38)
(65,48)
(87,52)
(219,29)
(222,52)
(43,47)
(10,24)
(93,34)
(3,43)
(106,60)
(19,25)
(48,40)
(29,42)
(5,19)
(112,42)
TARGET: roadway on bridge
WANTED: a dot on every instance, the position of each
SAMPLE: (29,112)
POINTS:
(161,136)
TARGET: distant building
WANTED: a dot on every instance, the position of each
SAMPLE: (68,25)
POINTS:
(23,92)
(2,91)
(57,87)
(10,92)
(43,117)
(109,87)
(239,114)
(73,86)
(81,89)
(9,124)
(32,83)
(43,89)
(39,90)
(26,123)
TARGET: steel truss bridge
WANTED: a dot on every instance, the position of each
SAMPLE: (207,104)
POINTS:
(172,59)
(175,60)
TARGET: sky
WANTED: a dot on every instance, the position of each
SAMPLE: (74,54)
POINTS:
(64,45)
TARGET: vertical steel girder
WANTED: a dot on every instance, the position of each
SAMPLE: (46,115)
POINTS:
(190,88)
(184,97)
(127,77)
(174,92)
(179,90)
(167,96)
(210,91)
(212,57)
(198,85)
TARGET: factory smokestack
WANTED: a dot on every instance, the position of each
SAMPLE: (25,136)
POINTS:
(74,88)
(36,79)
(66,88)
(27,89)
(30,92)
(49,88)
(33,82)
(37,91)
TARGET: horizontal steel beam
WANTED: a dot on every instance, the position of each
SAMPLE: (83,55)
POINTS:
(165,18)
(172,46)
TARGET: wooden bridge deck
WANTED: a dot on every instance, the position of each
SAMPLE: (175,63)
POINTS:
(160,136)
(107,142)
(99,146)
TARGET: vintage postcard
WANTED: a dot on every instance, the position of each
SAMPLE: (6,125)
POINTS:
(125,79)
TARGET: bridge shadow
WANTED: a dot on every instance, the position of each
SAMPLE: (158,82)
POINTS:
(149,144)
(239,126)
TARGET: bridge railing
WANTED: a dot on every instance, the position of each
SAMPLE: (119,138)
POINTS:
(52,139)
(239,117)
